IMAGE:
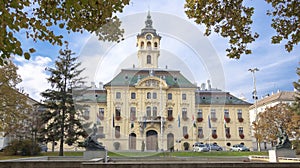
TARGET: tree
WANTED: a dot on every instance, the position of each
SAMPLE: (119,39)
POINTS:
(13,105)
(62,118)
(274,118)
(37,19)
(296,105)
(232,19)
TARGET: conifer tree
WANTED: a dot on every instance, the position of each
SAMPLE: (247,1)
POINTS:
(63,121)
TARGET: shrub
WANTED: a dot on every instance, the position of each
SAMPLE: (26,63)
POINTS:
(22,147)
(296,146)
(186,146)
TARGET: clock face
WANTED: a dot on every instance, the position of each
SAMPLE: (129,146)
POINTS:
(148,37)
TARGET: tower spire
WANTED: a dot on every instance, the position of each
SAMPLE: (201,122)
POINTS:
(148,22)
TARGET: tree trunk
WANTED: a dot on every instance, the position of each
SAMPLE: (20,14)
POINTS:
(61,146)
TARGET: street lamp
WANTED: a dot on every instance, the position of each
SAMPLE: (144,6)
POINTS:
(254,96)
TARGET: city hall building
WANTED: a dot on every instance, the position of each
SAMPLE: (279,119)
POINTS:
(149,108)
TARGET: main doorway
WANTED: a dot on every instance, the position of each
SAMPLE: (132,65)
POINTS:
(151,140)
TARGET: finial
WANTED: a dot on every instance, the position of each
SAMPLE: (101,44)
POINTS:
(148,22)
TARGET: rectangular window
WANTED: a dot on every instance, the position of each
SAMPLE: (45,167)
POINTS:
(169,96)
(148,112)
(199,113)
(184,130)
(240,113)
(118,95)
(200,132)
(241,130)
(117,131)
(214,131)
(154,95)
(184,114)
(148,95)
(154,111)
(118,113)
(183,96)
(132,113)
(227,131)
(101,113)
(213,114)
(170,113)
(226,113)
(133,95)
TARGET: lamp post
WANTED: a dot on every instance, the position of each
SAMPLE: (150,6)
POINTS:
(254,96)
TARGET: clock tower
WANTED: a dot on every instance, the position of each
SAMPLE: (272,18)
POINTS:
(148,43)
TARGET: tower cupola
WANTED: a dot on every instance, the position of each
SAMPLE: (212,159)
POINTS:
(148,43)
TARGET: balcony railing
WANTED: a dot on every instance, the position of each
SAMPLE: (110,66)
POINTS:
(151,119)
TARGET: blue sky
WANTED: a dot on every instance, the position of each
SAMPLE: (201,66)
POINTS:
(183,47)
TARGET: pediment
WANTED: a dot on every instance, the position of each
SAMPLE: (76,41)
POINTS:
(152,82)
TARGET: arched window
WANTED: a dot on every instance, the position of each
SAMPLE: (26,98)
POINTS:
(148,111)
(148,95)
(142,45)
(148,45)
(148,59)
(155,44)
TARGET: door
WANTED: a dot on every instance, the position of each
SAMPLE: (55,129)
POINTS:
(132,141)
(170,139)
(151,140)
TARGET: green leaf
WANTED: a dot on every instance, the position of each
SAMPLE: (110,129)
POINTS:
(61,25)
(27,55)
(31,50)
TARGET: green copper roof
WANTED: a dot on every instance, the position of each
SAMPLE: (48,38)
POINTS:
(130,77)
(93,95)
(218,98)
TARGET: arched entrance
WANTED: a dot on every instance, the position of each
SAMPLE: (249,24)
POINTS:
(151,140)
(170,144)
(132,141)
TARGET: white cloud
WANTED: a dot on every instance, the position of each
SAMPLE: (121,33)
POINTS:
(277,67)
(33,75)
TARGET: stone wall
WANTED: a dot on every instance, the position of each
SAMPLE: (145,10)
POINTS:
(80,164)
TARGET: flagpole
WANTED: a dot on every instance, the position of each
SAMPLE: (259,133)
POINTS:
(225,133)
(209,126)
(225,139)
(161,115)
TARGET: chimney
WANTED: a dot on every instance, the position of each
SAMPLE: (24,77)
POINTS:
(208,85)
(93,85)
(101,85)
(203,86)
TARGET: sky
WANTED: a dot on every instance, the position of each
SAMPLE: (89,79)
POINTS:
(183,47)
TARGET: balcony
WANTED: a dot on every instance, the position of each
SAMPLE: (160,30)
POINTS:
(151,119)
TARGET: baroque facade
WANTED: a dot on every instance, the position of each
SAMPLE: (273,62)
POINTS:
(149,108)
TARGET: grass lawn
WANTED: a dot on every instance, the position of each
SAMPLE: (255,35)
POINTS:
(147,154)
(182,154)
